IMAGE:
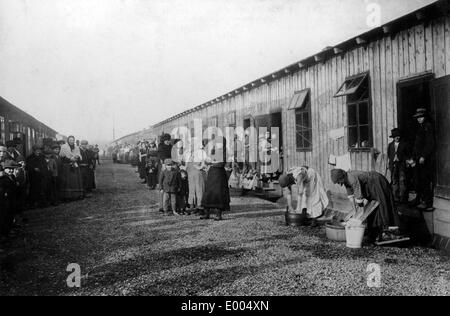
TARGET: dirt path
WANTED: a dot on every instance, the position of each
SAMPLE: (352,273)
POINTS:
(124,247)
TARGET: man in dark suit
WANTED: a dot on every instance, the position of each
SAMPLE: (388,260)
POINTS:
(87,168)
(424,151)
(15,152)
(398,153)
(36,168)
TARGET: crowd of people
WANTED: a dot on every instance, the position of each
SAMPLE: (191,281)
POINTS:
(188,181)
(55,172)
(411,167)
(191,181)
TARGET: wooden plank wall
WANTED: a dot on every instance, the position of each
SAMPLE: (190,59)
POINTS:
(425,47)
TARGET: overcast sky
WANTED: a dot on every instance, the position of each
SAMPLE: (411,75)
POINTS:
(73,64)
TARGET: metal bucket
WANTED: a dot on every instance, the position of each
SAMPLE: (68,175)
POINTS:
(336,232)
(354,236)
(296,220)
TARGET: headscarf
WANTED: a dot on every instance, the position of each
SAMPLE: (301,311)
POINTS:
(74,145)
(166,137)
(338,176)
(68,152)
(286,180)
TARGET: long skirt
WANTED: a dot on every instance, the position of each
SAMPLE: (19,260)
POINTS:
(88,178)
(196,180)
(217,193)
(141,169)
(37,185)
(71,183)
(377,188)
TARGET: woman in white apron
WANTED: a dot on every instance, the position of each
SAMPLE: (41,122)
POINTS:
(312,198)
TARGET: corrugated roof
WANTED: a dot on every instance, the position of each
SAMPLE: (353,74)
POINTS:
(20,112)
(438,8)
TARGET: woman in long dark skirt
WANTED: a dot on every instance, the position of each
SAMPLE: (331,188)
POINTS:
(71,180)
(217,193)
(370,186)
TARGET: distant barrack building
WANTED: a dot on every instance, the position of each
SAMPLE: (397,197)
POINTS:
(341,103)
(15,123)
(146,134)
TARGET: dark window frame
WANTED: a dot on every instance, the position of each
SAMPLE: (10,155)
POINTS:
(232,118)
(302,112)
(358,99)
(214,121)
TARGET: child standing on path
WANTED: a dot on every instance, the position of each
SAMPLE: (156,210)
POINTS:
(183,193)
(169,186)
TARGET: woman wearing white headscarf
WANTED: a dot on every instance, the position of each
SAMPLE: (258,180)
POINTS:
(311,191)
(71,180)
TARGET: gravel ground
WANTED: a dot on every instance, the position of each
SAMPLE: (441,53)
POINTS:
(124,247)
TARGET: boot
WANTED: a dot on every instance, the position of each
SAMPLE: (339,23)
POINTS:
(218,215)
(206,215)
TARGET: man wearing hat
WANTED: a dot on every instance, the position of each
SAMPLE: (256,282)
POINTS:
(36,169)
(56,149)
(87,168)
(96,151)
(398,155)
(423,153)
(51,178)
(19,145)
(14,153)
(4,155)
(165,148)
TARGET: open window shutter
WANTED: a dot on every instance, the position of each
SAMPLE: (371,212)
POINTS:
(351,85)
(441,103)
(299,100)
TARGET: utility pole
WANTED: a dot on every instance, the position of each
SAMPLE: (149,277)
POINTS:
(114,125)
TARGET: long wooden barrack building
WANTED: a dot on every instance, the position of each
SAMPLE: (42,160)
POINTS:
(344,101)
(15,123)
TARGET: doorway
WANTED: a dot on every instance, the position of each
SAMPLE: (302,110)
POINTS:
(441,108)
(413,94)
(271,143)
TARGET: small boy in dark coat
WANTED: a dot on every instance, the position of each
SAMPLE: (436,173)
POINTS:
(51,178)
(183,193)
(169,183)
